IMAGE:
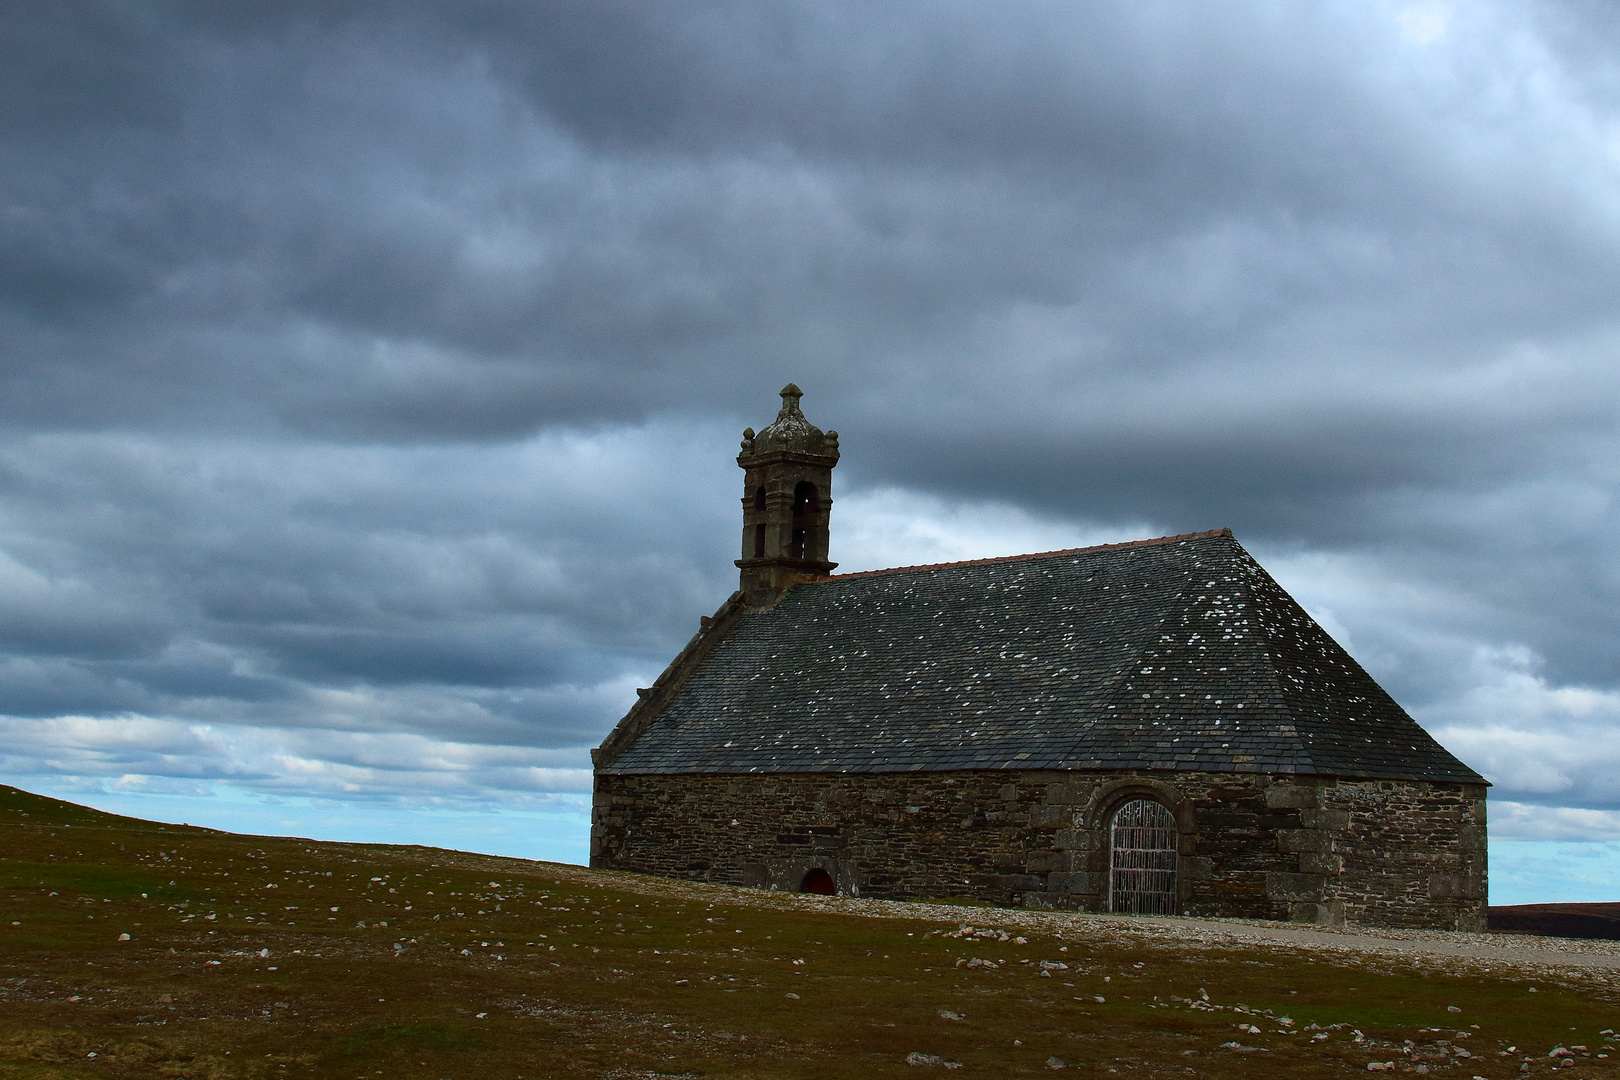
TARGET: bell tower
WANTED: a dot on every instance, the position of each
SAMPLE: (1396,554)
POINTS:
(787,496)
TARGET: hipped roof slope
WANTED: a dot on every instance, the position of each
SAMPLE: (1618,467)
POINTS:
(1179,653)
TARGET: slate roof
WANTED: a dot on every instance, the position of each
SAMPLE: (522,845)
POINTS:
(1178,653)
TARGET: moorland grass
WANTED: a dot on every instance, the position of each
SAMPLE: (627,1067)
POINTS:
(268,957)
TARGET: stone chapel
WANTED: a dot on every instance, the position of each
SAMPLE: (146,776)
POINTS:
(1152,727)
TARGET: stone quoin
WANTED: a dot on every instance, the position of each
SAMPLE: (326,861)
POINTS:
(1153,727)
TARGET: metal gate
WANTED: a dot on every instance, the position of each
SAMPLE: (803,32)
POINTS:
(1142,867)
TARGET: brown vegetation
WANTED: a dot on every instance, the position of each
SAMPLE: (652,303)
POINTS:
(1600,921)
(267,957)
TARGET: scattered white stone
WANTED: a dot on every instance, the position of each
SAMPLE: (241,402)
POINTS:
(121,937)
(1056,1063)
(946,1014)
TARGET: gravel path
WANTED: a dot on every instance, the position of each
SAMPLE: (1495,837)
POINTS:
(1522,952)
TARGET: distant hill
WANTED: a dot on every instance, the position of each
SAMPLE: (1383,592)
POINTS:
(1558,920)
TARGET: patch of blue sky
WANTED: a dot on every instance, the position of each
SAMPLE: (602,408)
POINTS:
(561,834)
(1554,871)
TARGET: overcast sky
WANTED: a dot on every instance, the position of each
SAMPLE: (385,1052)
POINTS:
(371,373)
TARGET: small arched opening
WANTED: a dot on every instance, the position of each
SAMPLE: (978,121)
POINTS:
(1143,843)
(759,530)
(805,504)
(820,882)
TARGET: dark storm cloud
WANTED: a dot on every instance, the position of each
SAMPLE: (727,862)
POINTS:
(374,366)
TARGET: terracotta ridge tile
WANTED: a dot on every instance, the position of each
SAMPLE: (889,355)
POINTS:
(1206,534)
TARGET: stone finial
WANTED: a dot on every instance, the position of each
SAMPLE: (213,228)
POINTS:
(790,401)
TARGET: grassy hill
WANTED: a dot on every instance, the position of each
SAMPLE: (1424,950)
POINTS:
(129,948)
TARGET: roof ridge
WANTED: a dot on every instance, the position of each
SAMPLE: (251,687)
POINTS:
(1206,534)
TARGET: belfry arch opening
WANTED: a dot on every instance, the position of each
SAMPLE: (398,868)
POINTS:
(759,530)
(805,504)
(1143,843)
(820,882)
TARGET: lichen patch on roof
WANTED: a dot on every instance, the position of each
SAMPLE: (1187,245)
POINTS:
(1180,653)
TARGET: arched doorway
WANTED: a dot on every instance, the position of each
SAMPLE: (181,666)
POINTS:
(1142,843)
(820,882)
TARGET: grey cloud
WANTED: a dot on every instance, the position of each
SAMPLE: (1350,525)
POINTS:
(235,581)
(396,351)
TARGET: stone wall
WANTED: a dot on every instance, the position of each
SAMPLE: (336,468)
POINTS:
(1413,854)
(1309,849)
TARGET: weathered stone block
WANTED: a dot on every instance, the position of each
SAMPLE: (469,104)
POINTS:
(1282,796)
(1283,886)
(1072,840)
(1021,882)
(1197,867)
(1044,862)
(1068,794)
(1329,914)
(1304,840)
(1321,862)
(1050,817)
(1072,882)
(1324,819)
(1460,886)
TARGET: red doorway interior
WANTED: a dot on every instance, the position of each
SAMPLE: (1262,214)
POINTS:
(820,882)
